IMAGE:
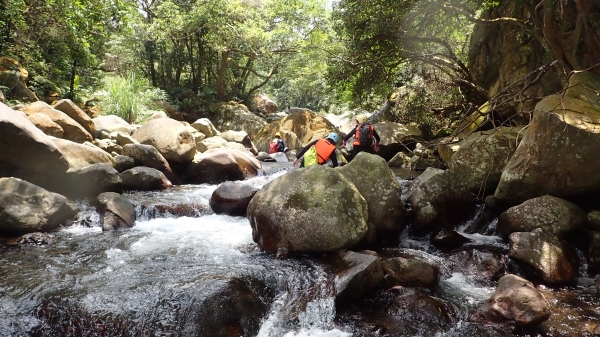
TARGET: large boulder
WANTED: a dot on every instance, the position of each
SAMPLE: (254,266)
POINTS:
(516,303)
(411,272)
(478,265)
(75,112)
(240,137)
(236,117)
(482,156)
(550,259)
(25,146)
(206,127)
(559,154)
(88,182)
(379,186)
(14,77)
(169,137)
(297,130)
(314,209)
(27,208)
(551,214)
(73,131)
(414,305)
(438,198)
(217,166)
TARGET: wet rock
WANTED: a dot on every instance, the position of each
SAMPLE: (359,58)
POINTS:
(116,211)
(265,157)
(593,249)
(411,272)
(280,157)
(598,284)
(236,309)
(415,305)
(27,208)
(142,178)
(515,303)
(232,198)
(356,274)
(552,260)
(593,220)
(449,239)
(553,215)
(477,264)
(36,239)
(312,209)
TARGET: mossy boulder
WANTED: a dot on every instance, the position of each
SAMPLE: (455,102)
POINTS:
(314,209)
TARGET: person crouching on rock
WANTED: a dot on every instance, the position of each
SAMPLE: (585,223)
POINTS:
(323,152)
(363,134)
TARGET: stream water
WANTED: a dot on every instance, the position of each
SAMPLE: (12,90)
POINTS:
(144,281)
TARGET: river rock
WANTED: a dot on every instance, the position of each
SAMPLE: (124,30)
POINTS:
(111,123)
(240,137)
(394,137)
(265,157)
(449,239)
(263,104)
(598,284)
(73,131)
(236,117)
(25,146)
(148,155)
(552,260)
(169,137)
(593,248)
(27,208)
(46,124)
(232,198)
(217,166)
(415,305)
(478,265)
(411,272)
(80,156)
(89,181)
(215,142)
(73,111)
(356,274)
(593,220)
(206,127)
(559,154)
(123,163)
(124,138)
(142,178)
(116,211)
(553,215)
(515,303)
(232,307)
(379,186)
(314,209)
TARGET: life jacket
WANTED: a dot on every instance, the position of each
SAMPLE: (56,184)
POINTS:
(363,135)
(273,146)
(324,150)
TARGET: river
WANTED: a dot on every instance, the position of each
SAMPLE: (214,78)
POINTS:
(147,281)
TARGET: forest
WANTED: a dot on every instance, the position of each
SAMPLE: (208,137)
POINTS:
(430,62)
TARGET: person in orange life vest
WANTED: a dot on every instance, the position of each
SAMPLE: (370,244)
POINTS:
(363,137)
(325,150)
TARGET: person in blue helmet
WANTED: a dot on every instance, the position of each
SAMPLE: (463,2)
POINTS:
(325,150)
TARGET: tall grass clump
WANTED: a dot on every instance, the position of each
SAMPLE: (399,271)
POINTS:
(130,97)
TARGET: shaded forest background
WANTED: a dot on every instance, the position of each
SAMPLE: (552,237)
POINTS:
(442,64)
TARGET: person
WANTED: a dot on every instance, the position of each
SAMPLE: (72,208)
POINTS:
(363,134)
(277,144)
(325,150)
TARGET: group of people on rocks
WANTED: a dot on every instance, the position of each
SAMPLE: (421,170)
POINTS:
(365,139)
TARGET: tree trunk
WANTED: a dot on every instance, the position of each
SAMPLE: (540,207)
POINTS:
(72,82)
(221,76)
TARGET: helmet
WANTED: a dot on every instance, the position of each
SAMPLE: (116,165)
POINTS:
(361,119)
(278,134)
(334,137)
